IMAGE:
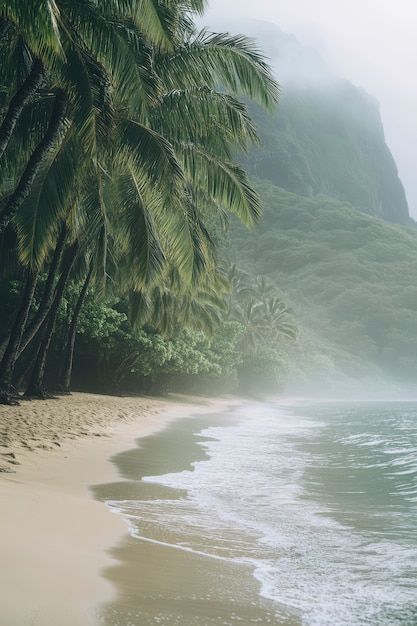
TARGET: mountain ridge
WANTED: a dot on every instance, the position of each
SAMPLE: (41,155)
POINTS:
(326,137)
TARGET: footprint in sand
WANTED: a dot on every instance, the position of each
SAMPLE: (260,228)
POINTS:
(10,457)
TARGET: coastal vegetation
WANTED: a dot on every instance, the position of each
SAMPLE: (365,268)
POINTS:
(118,126)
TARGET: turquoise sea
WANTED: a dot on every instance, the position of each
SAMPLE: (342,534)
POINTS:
(319,500)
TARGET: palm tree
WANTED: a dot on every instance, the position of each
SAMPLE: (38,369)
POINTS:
(74,45)
(39,214)
(30,43)
(35,386)
(24,185)
(279,319)
(241,284)
(151,182)
(122,56)
(204,123)
(278,315)
(21,335)
(13,344)
(249,314)
(23,95)
(172,304)
(258,306)
(64,381)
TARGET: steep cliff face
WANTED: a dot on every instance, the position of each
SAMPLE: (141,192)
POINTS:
(326,137)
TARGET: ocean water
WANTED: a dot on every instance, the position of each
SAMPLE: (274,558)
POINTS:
(319,500)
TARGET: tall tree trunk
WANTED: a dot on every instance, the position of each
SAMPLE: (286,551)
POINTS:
(10,355)
(35,387)
(3,346)
(66,369)
(25,92)
(122,369)
(48,293)
(25,184)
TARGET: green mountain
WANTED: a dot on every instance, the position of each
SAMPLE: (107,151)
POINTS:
(350,278)
(336,236)
(326,137)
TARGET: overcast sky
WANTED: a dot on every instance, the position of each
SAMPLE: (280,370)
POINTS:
(373,43)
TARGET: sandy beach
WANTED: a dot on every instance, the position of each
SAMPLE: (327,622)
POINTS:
(55,539)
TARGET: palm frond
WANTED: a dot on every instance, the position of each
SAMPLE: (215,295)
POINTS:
(134,230)
(91,222)
(225,182)
(154,19)
(119,45)
(39,218)
(151,153)
(38,22)
(140,307)
(205,116)
(93,111)
(130,64)
(212,59)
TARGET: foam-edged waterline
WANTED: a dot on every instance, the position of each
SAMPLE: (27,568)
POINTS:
(258,497)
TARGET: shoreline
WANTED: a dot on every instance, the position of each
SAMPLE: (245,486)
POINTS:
(55,539)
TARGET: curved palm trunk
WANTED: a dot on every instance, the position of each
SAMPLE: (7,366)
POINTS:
(26,91)
(25,184)
(35,387)
(3,346)
(48,294)
(66,370)
(10,355)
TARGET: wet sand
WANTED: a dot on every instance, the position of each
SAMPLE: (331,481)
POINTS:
(159,578)
(158,584)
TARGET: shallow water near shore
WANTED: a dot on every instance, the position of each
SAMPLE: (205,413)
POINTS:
(302,515)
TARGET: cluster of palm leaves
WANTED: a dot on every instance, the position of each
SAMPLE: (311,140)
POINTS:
(119,120)
(258,306)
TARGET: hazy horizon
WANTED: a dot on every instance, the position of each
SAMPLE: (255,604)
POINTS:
(373,45)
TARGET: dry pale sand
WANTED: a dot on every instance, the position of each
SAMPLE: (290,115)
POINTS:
(54,538)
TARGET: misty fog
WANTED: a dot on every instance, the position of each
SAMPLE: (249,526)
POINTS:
(372,44)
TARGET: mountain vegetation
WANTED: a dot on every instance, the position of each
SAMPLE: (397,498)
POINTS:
(351,279)
(336,236)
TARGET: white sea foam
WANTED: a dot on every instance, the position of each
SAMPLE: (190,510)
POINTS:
(261,497)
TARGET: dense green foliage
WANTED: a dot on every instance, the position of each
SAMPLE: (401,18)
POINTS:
(351,278)
(117,183)
(116,146)
(111,356)
(325,175)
